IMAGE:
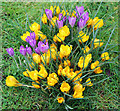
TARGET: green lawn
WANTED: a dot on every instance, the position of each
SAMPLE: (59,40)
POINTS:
(15,17)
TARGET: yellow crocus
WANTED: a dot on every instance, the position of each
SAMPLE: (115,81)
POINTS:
(35,27)
(63,12)
(97,23)
(67,63)
(65,87)
(34,75)
(105,56)
(52,79)
(11,81)
(36,58)
(60,70)
(24,36)
(85,61)
(42,73)
(86,50)
(97,43)
(60,99)
(44,19)
(66,71)
(45,58)
(53,21)
(94,65)
(57,9)
(89,22)
(89,83)
(64,31)
(26,73)
(52,8)
(83,36)
(65,50)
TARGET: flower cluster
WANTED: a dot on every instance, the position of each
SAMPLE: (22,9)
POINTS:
(61,65)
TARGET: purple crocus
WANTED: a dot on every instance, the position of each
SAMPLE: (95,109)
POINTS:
(37,50)
(32,35)
(85,16)
(22,50)
(81,23)
(60,16)
(27,39)
(29,50)
(32,42)
(10,51)
(72,21)
(59,23)
(43,47)
(79,10)
(48,13)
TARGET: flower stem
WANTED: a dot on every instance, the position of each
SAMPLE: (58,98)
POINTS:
(15,62)
(28,62)
(72,33)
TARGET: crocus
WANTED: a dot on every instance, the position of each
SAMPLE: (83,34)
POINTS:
(43,47)
(85,16)
(81,23)
(32,42)
(22,50)
(32,35)
(11,81)
(37,50)
(48,13)
(29,50)
(10,51)
(72,21)
(60,23)
(80,11)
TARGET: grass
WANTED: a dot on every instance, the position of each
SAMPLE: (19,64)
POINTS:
(14,15)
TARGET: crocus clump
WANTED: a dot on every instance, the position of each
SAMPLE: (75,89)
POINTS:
(62,56)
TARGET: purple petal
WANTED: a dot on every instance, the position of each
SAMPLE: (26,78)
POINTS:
(80,10)
(60,23)
(72,21)
(60,16)
(37,50)
(22,50)
(85,16)
(32,42)
(32,35)
(29,50)
(48,13)
(81,23)
(10,51)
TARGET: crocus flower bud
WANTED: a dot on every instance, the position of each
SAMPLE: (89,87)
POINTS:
(10,51)
(37,50)
(81,23)
(22,50)
(32,42)
(43,47)
(59,23)
(72,21)
(29,50)
(48,13)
